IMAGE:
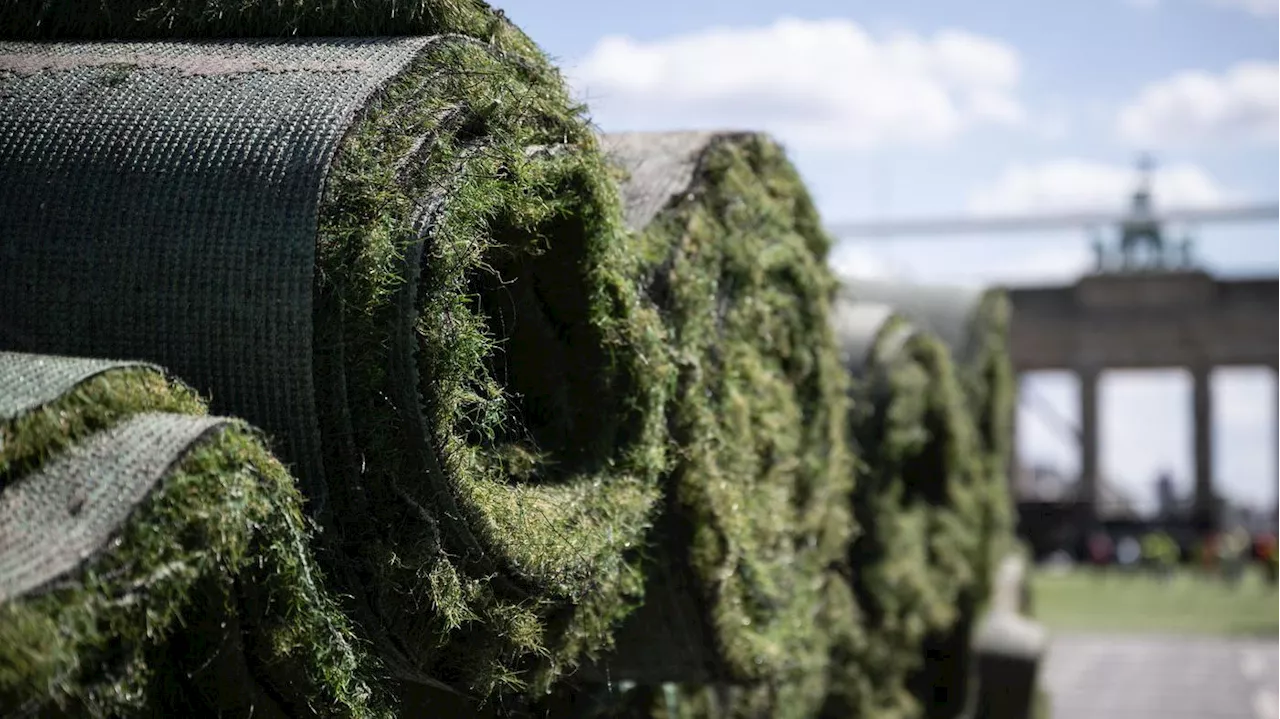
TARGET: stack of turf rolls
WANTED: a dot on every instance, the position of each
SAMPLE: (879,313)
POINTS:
(382,233)
(915,502)
(973,324)
(754,516)
(536,424)
(154,560)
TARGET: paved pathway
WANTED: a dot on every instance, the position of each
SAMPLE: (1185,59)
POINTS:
(1113,676)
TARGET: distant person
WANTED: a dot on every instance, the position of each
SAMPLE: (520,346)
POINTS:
(1101,549)
(1160,552)
(1231,553)
(1059,561)
(1269,566)
(1207,553)
(1128,552)
(1264,551)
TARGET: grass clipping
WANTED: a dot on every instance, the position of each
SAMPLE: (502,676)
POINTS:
(735,260)
(916,504)
(207,600)
(461,332)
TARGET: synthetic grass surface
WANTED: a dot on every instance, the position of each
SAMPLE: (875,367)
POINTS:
(207,599)
(916,505)
(736,267)
(156,19)
(973,325)
(988,379)
(538,373)
(485,387)
(986,374)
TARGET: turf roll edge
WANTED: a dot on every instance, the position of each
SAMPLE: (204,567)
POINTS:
(154,561)
(916,504)
(403,258)
(734,260)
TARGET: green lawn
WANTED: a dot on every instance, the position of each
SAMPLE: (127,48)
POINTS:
(1188,602)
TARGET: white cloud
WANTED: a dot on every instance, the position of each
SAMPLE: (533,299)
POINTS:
(1070,184)
(1054,126)
(820,83)
(1197,106)
(1259,8)
(853,261)
(1052,263)
(1016,259)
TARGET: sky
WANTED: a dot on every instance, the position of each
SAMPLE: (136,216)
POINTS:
(919,109)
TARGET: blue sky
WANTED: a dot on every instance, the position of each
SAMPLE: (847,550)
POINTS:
(918,108)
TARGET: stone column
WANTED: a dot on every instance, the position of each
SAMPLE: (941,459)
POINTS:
(1089,438)
(1204,509)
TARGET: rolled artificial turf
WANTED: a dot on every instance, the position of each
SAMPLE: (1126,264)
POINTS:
(402,257)
(916,503)
(734,261)
(167,19)
(154,561)
(973,324)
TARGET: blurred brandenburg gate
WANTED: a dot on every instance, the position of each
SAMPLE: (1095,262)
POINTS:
(1147,306)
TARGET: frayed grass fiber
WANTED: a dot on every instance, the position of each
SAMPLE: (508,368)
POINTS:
(484,385)
(735,260)
(209,591)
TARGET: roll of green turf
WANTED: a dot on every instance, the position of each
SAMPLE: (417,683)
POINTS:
(161,19)
(154,561)
(915,502)
(735,263)
(402,257)
(973,324)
